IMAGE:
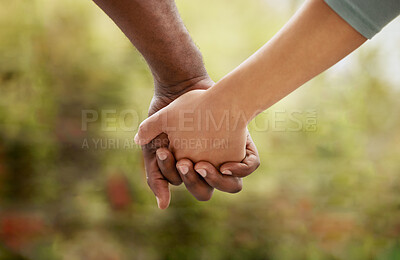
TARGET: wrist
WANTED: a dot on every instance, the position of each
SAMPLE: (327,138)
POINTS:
(235,101)
(165,93)
(173,89)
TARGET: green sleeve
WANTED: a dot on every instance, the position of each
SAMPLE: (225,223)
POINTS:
(368,17)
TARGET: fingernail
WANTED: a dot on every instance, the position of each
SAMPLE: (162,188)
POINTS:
(158,202)
(227,172)
(161,155)
(136,139)
(183,169)
(202,172)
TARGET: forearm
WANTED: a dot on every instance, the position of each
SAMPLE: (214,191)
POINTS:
(312,41)
(157,31)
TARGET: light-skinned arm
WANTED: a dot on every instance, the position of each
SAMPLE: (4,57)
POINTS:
(312,41)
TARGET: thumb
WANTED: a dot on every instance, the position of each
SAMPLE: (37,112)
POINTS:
(149,129)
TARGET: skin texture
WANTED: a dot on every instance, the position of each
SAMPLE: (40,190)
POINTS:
(312,41)
(157,31)
(220,134)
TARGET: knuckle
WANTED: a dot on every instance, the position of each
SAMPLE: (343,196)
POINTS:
(237,188)
(176,182)
(255,162)
(203,197)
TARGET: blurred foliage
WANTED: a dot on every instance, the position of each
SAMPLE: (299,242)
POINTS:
(332,192)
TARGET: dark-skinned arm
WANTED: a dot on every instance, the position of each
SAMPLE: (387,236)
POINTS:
(155,28)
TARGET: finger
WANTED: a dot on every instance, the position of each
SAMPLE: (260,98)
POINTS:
(194,183)
(249,164)
(157,183)
(217,180)
(149,129)
(167,165)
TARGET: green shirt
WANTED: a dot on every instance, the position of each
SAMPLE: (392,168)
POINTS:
(368,17)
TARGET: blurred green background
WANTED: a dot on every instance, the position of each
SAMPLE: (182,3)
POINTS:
(328,186)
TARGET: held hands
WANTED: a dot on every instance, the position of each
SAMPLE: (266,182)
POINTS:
(199,128)
(162,169)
